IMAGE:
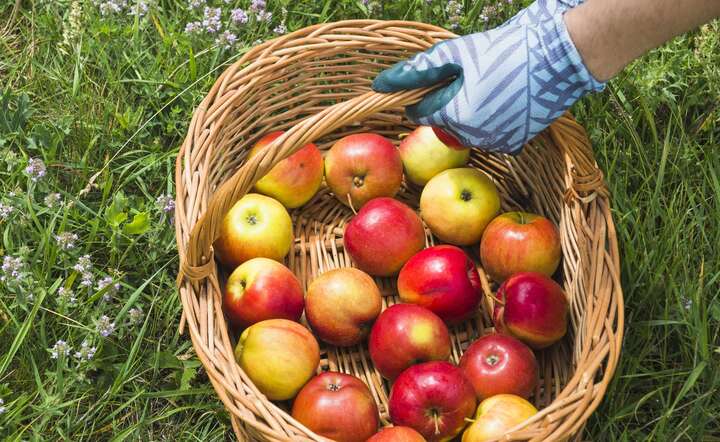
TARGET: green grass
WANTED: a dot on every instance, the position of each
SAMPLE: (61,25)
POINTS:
(105,103)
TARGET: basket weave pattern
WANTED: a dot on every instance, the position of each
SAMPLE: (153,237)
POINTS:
(315,84)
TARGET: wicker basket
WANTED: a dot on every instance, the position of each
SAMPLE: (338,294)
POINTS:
(315,83)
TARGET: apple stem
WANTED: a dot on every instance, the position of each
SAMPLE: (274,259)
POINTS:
(436,419)
(351,204)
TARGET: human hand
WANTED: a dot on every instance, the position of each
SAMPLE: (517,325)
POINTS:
(509,83)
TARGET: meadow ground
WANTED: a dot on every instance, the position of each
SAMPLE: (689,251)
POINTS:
(95,99)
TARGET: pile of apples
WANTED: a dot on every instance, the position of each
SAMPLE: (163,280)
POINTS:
(409,343)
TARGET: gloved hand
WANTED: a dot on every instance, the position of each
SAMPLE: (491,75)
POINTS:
(510,82)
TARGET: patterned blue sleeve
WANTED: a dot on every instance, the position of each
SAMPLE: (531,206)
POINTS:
(508,83)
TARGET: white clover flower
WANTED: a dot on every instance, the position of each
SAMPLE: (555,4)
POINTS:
(66,240)
(86,352)
(61,348)
(136,315)
(35,169)
(105,327)
(239,16)
(53,200)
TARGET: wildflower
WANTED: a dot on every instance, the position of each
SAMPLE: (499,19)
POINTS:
(83,264)
(66,296)
(238,16)
(35,169)
(105,327)
(136,315)
(226,39)
(257,5)
(12,269)
(53,200)
(264,16)
(2,406)
(193,27)
(112,289)
(5,210)
(86,352)
(211,19)
(280,29)
(194,4)
(66,240)
(487,13)
(112,6)
(140,9)
(73,27)
(61,348)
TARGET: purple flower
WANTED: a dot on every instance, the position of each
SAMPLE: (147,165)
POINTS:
(12,270)
(193,27)
(239,16)
(211,19)
(196,3)
(35,169)
(86,352)
(280,29)
(257,5)
(105,327)
(66,240)
(6,210)
(53,200)
(226,39)
(264,16)
(61,348)
(166,202)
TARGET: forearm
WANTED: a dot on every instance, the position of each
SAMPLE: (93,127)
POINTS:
(609,34)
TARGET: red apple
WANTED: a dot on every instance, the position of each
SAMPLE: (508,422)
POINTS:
(262,289)
(407,334)
(341,306)
(533,308)
(428,151)
(497,364)
(517,242)
(443,279)
(294,180)
(496,415)
(397,434)
(457,204)
(383,235)
(433,398)
(279,356)
(257,226)
(337,406)
(363,166)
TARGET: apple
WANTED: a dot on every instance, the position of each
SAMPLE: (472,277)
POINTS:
(517,242)
(433,398)
(457,204)
(496,415)
(279,356)
(383,235)
(498,364)
(533,308)
(407,334)
(428,151)
(261,289)
(337,406)
(443,279)
(363,166)
(294,180)
(397,434)
(341,306)
(257,226)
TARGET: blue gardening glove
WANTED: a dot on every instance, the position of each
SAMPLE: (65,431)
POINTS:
(509,83)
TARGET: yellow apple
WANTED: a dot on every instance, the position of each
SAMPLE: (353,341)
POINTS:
(279,356)
(257,226)
(457,204)
(428,151)
(496,415)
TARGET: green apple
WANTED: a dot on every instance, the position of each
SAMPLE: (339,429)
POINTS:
(457,204)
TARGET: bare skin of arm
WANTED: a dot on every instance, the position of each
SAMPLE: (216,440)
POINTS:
(609,34)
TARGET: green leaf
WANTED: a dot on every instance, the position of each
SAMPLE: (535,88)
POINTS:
(139,224)
(115,213)
(188,375)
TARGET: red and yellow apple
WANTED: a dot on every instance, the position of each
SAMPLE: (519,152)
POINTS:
(442,279)
(341,306)
(337,406)
(397,434)
(500,364)
(457,204)
(261,289)
(383,235)
(533,308)
(433,398)
(404,335)
(496,415)
(257,226)
(428,151)
(279,356)
(294,180)
(362,167)
(516,242)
